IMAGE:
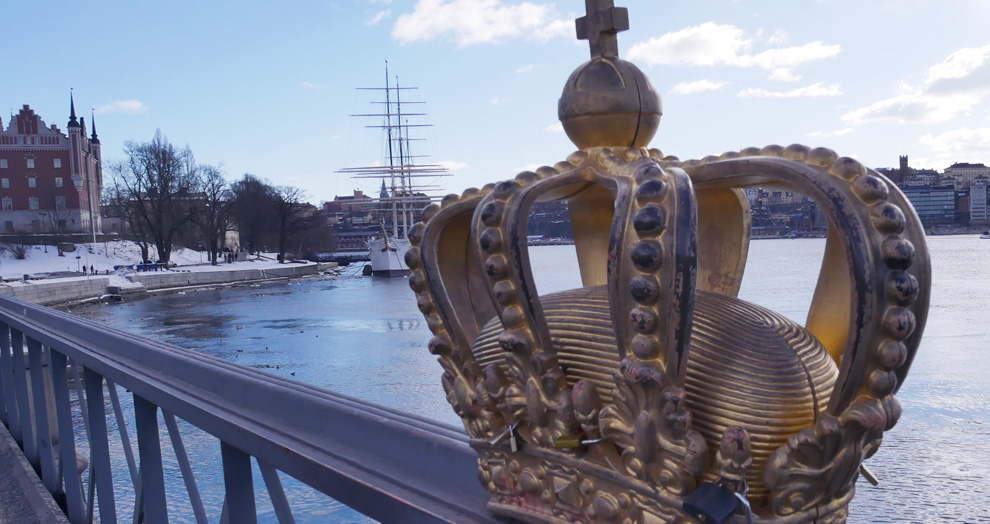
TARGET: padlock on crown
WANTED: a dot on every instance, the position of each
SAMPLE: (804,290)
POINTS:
(616,395)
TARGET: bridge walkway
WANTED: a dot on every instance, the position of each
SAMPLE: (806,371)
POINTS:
(23,497)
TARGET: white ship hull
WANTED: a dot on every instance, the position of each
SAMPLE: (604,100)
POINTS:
(388,259)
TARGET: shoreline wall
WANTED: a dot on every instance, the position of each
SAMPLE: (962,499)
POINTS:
(168,279)
(47,293)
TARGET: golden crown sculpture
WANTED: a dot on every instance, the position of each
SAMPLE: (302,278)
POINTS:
(652,393)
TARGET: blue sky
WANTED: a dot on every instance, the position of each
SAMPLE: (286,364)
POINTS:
(267,87)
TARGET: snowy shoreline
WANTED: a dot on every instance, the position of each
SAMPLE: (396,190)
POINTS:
(48,279)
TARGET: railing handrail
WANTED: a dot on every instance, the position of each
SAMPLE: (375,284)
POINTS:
(389,465)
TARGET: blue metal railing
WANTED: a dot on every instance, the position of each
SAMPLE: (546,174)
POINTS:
(391,466)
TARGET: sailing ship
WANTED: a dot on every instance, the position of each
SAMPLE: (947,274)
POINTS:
(403,194)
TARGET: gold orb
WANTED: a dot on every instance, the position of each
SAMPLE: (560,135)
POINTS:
(608,102)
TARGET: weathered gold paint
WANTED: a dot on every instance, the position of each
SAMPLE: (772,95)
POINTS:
(627,393)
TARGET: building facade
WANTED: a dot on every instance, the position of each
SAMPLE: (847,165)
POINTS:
(964,173)
(936,206)
(978,201)
(50,181)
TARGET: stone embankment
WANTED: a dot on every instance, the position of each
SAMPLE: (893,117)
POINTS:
(58,290)
(50,292)
(155,280)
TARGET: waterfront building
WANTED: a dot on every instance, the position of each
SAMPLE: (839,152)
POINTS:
(978,201)
(964,173)
(50,181)
(936,206)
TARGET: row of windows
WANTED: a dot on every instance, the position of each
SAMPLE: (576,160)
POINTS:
(32,182)
(57,162)
(34,203)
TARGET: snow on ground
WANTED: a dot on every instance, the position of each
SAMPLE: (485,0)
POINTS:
(104,256)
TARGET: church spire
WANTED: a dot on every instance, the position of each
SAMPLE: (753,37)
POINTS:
(72,112)
(94,139)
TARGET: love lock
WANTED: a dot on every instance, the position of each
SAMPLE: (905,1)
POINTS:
(713,503)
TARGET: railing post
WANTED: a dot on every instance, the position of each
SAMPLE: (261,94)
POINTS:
(239,484)
(27,441)
(46,454)
(5,378)
(67,444)
(99,446)
(187,475)
(7,370)
(150,453)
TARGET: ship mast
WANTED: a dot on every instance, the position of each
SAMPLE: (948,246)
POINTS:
(400,169)
(403,155)
(391,156)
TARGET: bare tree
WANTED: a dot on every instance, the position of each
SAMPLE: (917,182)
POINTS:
(54,221)
(116,203)
(160,181)
(287,204)
(216,201)
(251,210)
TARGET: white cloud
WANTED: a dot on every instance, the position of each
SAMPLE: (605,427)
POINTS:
(787,57)
(687,88)
(951,87)
(707,44)
(526,69)
(453,165)
(470,22)
(784,75)
(711,44)
(912,107)
(779,37)
(528,167)
(814,90)
(335,137)
(555,128)
(829,134)
(963,145)
(496,101)
(379,16)
(122,106)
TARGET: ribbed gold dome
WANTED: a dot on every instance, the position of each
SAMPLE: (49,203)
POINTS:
(748,366)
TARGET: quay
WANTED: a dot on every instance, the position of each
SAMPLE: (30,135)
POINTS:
(56,291)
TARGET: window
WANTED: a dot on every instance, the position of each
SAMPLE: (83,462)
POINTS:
(8,226)
(58,162)
(32,182)
(58,181)
(30,163)
(33,203)
(3,163)
(60,202)
(8,204)
(5,183)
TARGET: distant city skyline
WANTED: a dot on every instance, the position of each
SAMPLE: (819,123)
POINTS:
(268,89)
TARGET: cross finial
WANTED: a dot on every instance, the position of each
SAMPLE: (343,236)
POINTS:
(600,26)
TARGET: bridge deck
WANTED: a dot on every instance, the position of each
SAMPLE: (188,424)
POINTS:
(23,498)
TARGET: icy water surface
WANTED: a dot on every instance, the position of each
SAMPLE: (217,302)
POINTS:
(364,337)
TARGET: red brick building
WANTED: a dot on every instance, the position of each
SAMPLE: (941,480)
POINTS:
(50,181)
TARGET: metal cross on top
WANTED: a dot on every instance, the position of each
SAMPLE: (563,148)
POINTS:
(600,26)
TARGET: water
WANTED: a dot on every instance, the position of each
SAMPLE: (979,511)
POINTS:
(364,337)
